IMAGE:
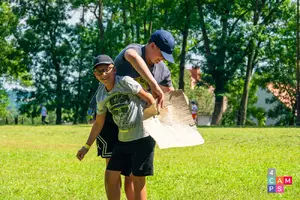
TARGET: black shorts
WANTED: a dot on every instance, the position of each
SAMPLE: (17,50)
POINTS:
(108,137)
(137,154)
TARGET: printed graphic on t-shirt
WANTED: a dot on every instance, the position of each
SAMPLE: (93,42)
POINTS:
(143,83)
(119,105)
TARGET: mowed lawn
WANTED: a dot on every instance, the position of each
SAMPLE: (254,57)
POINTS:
(38,162)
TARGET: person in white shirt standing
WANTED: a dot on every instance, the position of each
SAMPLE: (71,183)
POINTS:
(44,114)
(194,109)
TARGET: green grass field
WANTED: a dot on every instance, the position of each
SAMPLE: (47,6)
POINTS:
(38,162)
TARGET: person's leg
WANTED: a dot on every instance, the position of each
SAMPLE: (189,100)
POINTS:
(128,181)
(106,140)
(140,192)
(142,165)
(128,184)
(112,181)
(120,180)
(120,161)
(129,187)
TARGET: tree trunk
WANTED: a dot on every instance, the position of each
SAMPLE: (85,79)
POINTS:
(205,36)
(100,26)
(185,34)
(219,101)
(125,25)
(6,120)
(151,19)
(219,68)
(218,110)
(58,99)
(82,19)
(241,118)
(182,59)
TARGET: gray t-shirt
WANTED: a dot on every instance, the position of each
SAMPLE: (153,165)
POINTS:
(160,71)
(126,107)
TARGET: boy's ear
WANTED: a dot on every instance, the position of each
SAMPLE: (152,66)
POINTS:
(152,45)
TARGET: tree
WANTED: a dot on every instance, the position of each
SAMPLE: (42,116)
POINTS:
(11,64)
(3,102)
(221,45)
(265,15)
(45,40)
(278,65)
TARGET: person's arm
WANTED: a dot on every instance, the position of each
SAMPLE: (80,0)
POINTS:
(141,67)
(146,97)
(96,129)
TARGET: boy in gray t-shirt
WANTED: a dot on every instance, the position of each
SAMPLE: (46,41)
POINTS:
(122,96)
(126,107)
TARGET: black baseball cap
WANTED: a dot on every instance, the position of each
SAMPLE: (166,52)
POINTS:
(102,59)
(165,42)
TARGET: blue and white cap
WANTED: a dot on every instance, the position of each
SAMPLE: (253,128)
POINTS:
(165,42)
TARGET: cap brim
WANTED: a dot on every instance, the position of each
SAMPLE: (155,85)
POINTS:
(102,63)
(168,57)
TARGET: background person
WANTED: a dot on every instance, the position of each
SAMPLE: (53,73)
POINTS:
(194,109)
(43,114)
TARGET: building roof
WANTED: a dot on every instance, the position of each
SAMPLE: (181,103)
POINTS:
(284,93)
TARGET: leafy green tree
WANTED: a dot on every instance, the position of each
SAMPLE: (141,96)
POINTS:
(11,64)
(265,15)
(222,45)
(45,39)
(101,34)
(3,102)
(279,65)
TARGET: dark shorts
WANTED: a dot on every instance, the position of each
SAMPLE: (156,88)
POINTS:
(137,154)
(107,139)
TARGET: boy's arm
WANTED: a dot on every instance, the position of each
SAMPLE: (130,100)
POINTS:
(141,67)
(151,109)
(96,129)
(146,96)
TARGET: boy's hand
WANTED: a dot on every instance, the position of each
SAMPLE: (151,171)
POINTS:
(150,111)
(81,153)
(158,93)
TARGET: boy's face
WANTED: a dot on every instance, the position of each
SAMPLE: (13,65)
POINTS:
(105,73)
(155,55)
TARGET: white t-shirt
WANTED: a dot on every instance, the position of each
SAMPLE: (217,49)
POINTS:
(194,109)
(44,111)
